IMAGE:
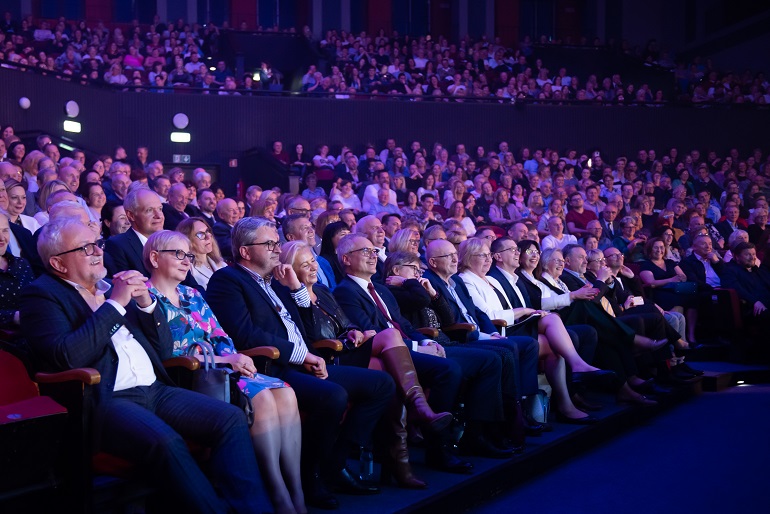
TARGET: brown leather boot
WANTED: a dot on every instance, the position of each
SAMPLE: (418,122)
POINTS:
(396,464)
(398,363)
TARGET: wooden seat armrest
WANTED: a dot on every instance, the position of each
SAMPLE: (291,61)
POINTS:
(328,344)
(465,327)
(499,323)
(88,376)
(183,361)
(428,331)
(269,352)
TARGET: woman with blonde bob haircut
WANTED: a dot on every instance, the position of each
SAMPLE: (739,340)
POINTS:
(276,431)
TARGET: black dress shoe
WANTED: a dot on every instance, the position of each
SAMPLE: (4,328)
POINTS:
(443,458)
(688,369)
(345,482)
(316,494)
(588,420)
(483,447)
(598,377)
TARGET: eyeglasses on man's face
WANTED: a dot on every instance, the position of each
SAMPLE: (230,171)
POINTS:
(514,249)
(88,249)
(366,251)
(270,245)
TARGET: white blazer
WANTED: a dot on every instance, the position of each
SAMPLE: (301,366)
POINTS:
(484,296)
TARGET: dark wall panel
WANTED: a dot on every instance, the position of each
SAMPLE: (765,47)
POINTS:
(224,127)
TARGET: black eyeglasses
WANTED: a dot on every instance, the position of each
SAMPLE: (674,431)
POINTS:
(203,234)
(417,270)
(88,249)
(180,255)
(514,249)
(271,245)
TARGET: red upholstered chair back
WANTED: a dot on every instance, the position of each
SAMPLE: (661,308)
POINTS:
(15,384)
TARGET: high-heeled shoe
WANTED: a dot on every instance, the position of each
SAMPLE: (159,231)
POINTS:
(398,363)
(396,465)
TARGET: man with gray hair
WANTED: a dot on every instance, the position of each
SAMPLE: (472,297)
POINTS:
(138,412)
(371,227)
(144,211)
(260,301)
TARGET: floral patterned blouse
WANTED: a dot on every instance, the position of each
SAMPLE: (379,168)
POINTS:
(193,321)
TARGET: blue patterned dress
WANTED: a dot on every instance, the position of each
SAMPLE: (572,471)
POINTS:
(194,321)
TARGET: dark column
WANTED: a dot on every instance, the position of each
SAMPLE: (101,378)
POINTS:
(243,10)
(507,18)
(441,19)
(379,16)
(96,10)
(568,20)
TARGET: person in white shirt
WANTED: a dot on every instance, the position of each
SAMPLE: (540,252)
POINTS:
(370,193)
(556,237)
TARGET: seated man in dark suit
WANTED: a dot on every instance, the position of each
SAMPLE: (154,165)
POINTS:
(260,302)
(751,283)
(145,212)
(227,210)
(372,306)
(732,221)
(138,413)
(176,209)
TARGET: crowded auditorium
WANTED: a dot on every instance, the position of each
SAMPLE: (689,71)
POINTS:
(292,256)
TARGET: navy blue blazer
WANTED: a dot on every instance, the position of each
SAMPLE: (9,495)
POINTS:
(752,286)
(125,251)
(64,333)
(249,316)
(481,319)
(513,299)
(363,312)
(696,271)
(223,234)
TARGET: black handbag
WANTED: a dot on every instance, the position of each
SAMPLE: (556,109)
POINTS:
(219,382)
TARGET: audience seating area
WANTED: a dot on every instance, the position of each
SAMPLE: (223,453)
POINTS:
(454,319)
(182,57)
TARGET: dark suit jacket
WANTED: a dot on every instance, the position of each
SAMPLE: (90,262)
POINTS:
(363,312)
(513,299)
(64,333)
(696,271)
(172,217)
(223,234)
(606,232)
(28,247)
(125,252)
(248,315)
(752,286)
(482,320)
(724,228)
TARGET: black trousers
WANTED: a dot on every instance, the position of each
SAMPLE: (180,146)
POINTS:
(149,425)
(324,402)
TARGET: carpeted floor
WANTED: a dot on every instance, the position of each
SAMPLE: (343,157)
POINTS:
(711,454)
